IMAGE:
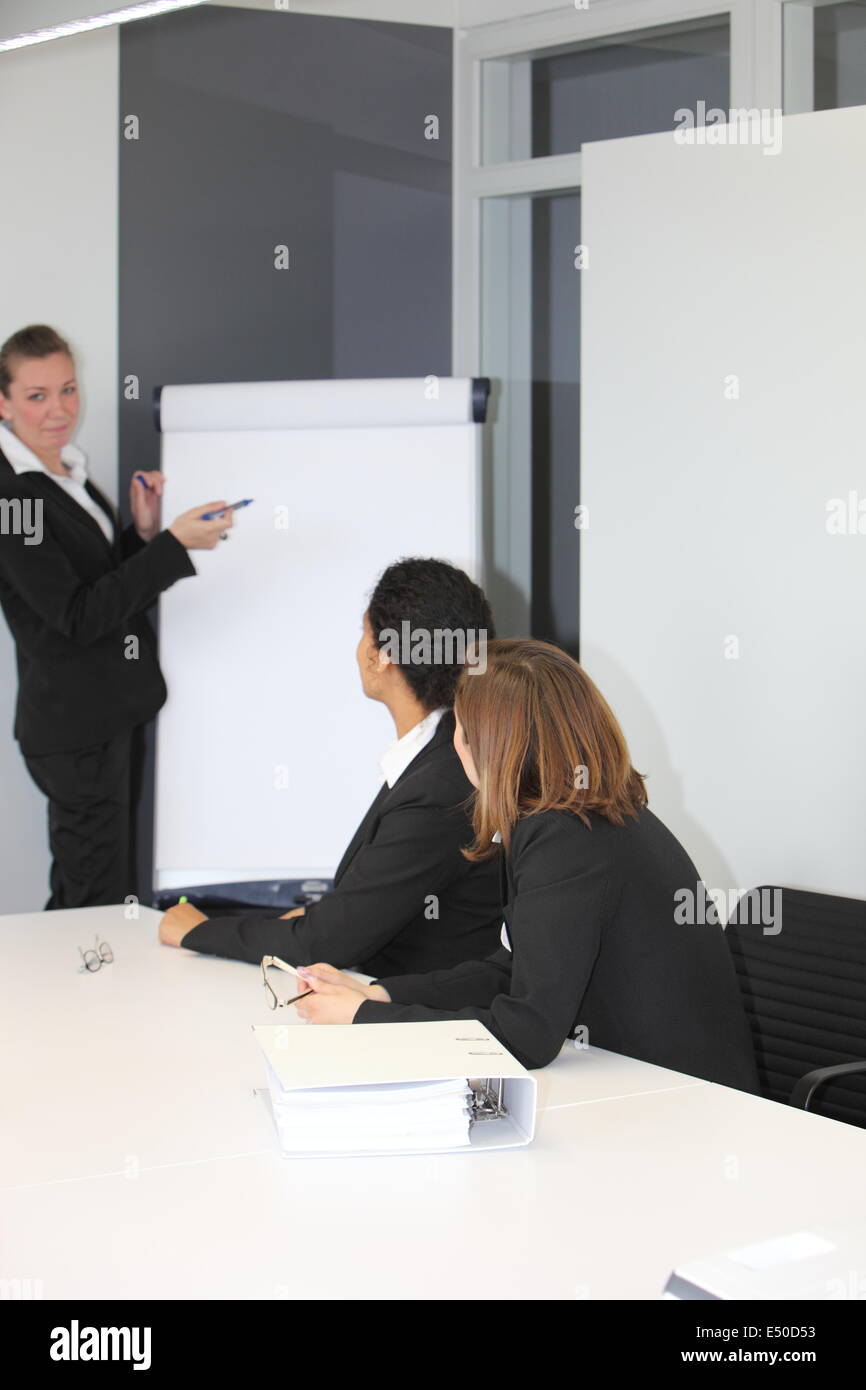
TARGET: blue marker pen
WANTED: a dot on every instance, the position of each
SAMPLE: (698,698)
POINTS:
(235,506)
(143,481)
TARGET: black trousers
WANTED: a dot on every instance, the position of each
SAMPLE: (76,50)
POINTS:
(92,798)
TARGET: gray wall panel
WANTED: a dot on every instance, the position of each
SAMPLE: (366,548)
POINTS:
(257,130)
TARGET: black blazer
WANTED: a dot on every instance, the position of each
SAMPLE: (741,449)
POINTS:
(402,866)
(72,602)
(590,918)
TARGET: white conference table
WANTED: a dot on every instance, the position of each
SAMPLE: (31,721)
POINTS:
(137,1162)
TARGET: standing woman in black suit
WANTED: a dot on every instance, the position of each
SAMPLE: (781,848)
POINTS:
(594,936)
(74,588)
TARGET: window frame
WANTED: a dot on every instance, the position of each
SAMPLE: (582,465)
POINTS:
(757,74)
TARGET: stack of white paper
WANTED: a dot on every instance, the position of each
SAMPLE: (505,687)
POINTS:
(397,1117)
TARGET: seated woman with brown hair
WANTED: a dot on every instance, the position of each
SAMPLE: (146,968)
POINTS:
(592,881)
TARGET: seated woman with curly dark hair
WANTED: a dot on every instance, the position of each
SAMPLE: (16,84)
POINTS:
(404,896)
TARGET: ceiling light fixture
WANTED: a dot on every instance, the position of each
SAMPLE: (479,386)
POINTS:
(80,26)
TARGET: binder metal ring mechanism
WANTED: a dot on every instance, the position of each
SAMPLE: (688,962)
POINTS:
(486,1101)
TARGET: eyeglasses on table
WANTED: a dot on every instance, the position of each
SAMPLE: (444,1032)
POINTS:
(94,959)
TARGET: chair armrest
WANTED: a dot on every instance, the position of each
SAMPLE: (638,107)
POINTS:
(806,1087)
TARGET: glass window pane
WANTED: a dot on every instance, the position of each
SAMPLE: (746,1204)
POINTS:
(555,418)
(550,103)
(530,346)
(825,56)
(840,56)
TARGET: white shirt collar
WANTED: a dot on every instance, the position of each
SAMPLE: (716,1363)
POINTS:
(23,459)
(399,754)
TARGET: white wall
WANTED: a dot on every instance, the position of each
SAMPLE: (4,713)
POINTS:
(58,253)
(435,12)
(708,514)
(23,16)
(447,13)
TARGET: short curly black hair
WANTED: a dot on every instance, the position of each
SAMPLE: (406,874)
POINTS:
(430,596)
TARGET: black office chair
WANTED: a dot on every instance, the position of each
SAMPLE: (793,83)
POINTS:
(805,994)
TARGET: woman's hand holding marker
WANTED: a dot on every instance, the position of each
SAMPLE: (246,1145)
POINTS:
(233,507)
(336,997)
(197,534)
(145,492)
(196,529)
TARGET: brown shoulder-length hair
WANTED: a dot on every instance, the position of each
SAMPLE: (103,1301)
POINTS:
(543,738)
(36,340)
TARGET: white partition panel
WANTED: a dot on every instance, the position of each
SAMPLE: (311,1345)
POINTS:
(267,750)
(724,575)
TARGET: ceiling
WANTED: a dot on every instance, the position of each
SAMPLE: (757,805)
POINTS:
(25,16)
